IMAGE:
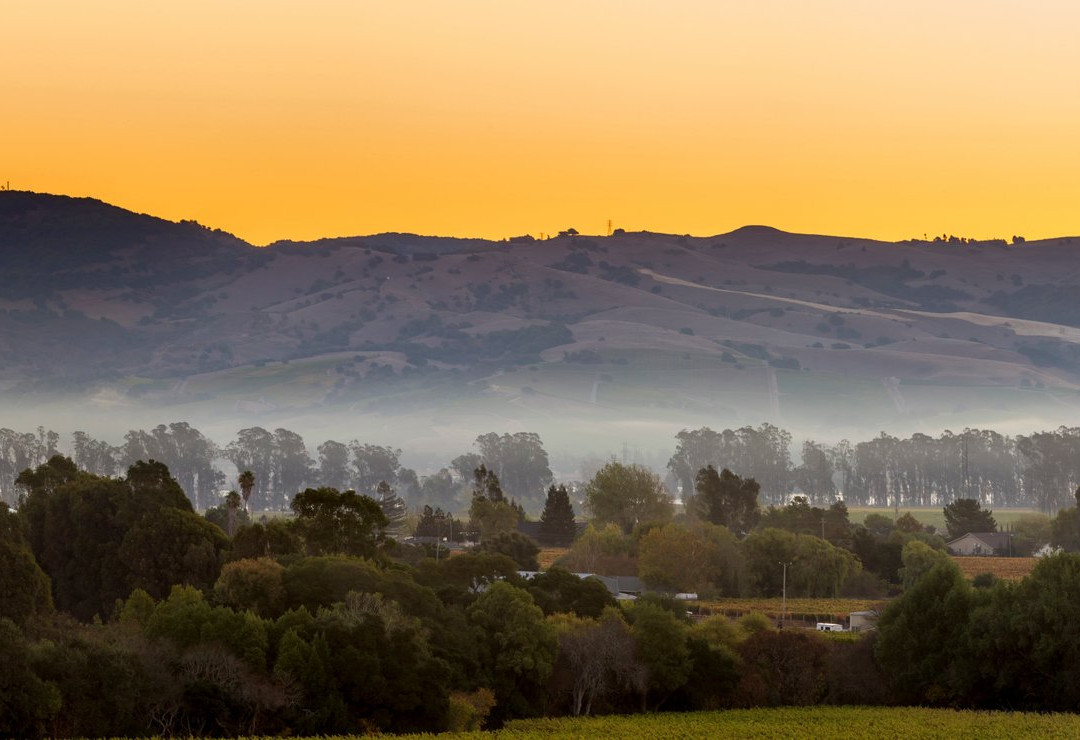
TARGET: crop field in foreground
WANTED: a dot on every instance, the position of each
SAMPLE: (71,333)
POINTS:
(802,722)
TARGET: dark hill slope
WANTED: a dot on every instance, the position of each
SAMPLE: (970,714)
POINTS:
(754,324)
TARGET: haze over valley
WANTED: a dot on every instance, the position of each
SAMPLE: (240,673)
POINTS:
(601,344)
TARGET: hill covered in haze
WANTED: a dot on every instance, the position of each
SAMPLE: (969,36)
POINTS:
(818,332)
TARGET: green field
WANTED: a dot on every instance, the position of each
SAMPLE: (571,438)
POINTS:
(934,515)
(799,722)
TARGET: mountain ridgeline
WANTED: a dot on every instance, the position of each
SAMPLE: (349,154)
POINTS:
(816,332)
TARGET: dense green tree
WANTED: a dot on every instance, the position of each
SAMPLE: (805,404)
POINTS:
(470,572)
(333,521)
(170,546)
(699,558)
(1065,527)
(607,550)
(966,515)
(518,648)
(255,584)
(815,568)
(557,525)
(515,545)
(1030,532)
(783,668)
(922,637)
(660,647)
(1025,639)
(321,581)
(918,559)
(490,513)
(726,499)
(26,702)
(98,538)
(558,590)
(106,679)
(24,587)
(627,495)
(274,539)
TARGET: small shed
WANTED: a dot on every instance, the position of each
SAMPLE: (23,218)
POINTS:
(862,621)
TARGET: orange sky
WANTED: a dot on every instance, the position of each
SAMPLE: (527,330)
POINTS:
(275,119)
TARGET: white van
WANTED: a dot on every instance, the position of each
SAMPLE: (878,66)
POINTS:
(829,627)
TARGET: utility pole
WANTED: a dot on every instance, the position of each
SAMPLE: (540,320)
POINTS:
(783,608)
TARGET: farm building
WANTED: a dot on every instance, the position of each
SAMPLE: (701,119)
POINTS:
(862,621)
(980,543)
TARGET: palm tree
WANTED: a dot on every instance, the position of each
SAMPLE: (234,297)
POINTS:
(247,484)
(232,503)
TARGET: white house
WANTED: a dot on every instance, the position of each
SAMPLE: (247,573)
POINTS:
(980,543)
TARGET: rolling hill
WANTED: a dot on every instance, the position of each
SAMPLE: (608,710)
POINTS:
(633,334)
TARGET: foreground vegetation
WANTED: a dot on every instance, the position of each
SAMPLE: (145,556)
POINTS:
(799,722)
(124,612)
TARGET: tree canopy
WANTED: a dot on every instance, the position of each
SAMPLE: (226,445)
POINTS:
(966,515)
(627,495)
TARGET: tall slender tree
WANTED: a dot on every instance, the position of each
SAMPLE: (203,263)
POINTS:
(557,525)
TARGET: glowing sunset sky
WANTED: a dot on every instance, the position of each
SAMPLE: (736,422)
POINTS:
(492,118)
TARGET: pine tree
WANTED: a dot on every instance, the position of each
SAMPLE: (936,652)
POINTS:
(392,505)
(557,527)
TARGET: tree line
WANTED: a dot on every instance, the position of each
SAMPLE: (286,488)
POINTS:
(1038,470)
(281,464)
(124,612)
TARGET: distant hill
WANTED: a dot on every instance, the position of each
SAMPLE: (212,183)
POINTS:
(755,325)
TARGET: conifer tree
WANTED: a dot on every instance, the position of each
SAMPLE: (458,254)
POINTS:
(557,526)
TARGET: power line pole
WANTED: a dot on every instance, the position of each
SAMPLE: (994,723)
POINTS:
(783,608)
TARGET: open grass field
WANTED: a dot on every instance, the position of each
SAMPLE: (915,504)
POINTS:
(1009,569)
(800,722)
(934,515)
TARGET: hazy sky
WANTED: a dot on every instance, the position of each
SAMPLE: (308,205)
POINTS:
(310,118)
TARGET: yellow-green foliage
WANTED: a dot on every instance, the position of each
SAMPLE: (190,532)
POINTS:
(802,722)
(468,711)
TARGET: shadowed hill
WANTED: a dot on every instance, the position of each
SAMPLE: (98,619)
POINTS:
(754,324)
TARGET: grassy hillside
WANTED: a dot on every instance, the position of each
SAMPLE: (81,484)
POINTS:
(825,333)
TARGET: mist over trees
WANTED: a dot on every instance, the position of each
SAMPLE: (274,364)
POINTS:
(1038,470)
